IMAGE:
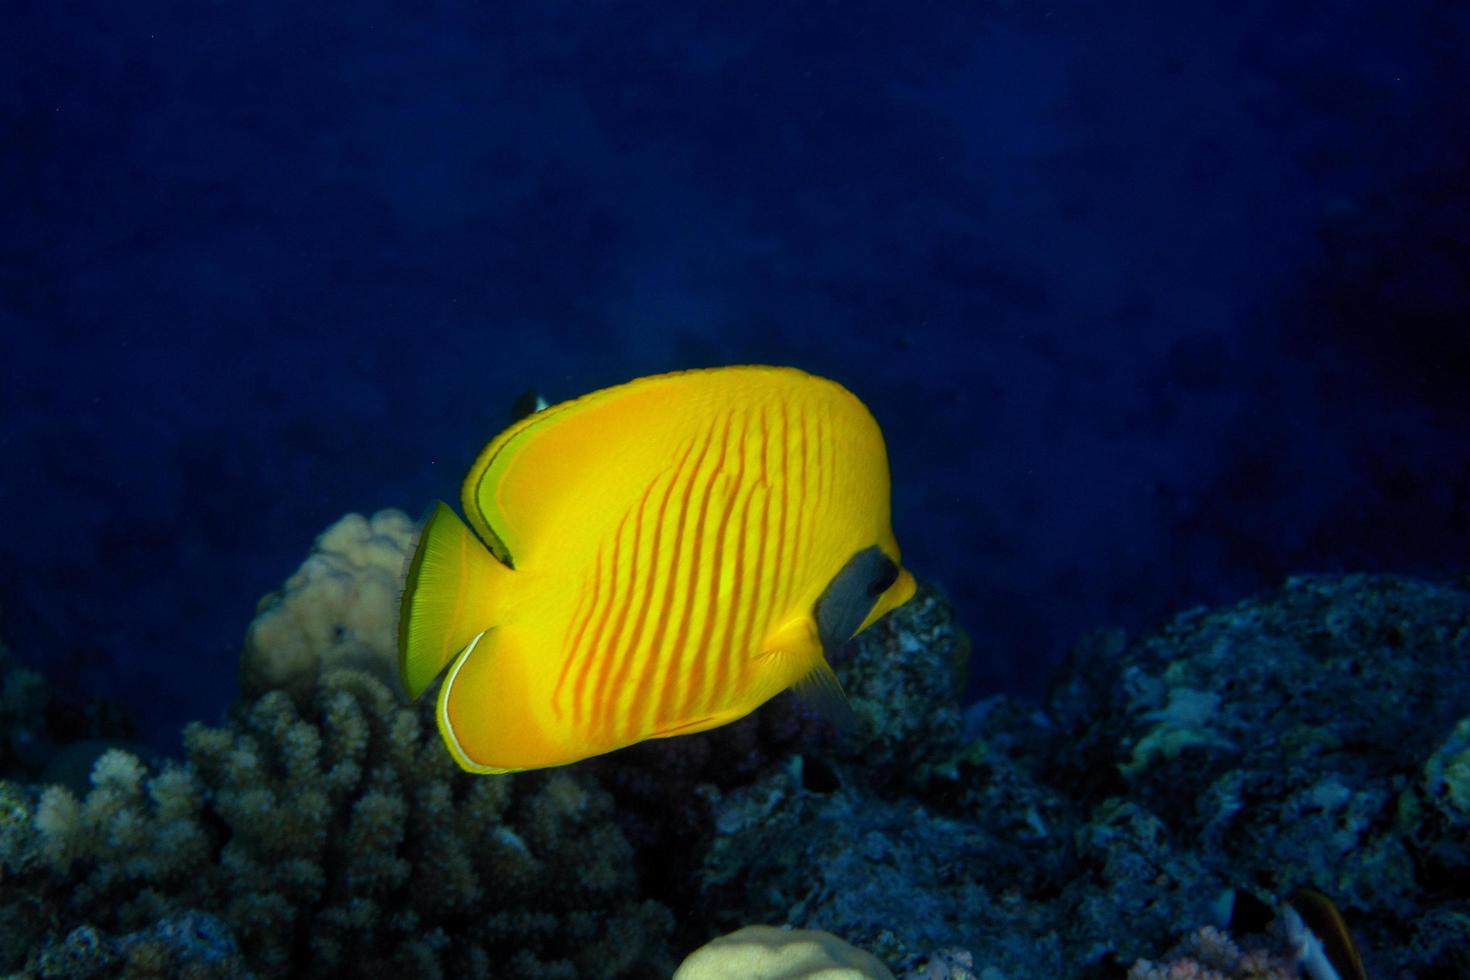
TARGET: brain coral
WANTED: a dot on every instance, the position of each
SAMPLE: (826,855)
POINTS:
(337,610)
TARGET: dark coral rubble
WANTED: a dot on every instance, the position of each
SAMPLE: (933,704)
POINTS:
(1316,735)
(1288,736)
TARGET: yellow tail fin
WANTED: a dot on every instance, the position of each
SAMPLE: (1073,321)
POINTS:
(449,598)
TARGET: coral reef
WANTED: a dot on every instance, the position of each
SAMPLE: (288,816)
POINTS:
(1209,954)
(904,677)
(894,877)
(1320,760)
(340,839)
(667,789)
(336,611)
(948,963)
(192,945)
(905,839)
(1315,735)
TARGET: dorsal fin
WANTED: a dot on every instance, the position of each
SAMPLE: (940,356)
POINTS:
(611,439)
(479,496)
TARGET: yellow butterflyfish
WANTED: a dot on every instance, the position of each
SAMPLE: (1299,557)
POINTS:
(653,559)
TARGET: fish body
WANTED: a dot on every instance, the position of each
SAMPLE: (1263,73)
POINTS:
(649,560)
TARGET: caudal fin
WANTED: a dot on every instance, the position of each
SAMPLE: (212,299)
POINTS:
(449,598)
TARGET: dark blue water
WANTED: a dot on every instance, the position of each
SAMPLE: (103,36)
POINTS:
(1157,303)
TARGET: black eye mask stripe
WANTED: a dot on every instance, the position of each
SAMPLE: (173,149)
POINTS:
(851,596)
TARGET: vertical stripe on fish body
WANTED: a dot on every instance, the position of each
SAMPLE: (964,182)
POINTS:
(658,558)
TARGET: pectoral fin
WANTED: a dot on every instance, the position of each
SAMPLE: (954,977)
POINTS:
(795,651)
(821,689)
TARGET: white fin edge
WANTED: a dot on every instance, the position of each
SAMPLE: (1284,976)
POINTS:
(442,715)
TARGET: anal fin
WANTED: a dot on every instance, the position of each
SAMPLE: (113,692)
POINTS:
(487,710)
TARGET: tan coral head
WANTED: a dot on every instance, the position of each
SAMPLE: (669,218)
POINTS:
(771,953)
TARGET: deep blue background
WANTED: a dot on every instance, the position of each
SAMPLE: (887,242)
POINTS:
(1157,303)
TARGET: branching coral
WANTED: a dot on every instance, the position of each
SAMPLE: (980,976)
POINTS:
(1209,954)
(343,839)
(323,828)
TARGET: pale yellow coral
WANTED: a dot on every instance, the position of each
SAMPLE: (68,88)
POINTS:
(176,794)
(119,772)
(59,821)
(118,833)
(127,830)
(337,610)
(769,953)
(374,835)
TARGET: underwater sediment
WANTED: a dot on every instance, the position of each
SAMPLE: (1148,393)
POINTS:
(1317,735)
